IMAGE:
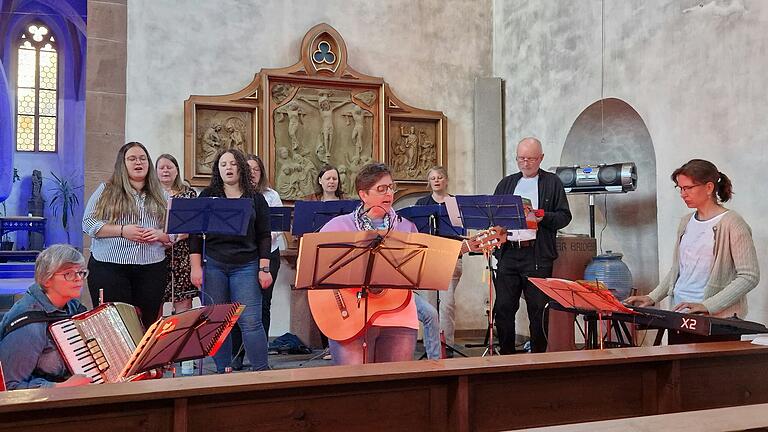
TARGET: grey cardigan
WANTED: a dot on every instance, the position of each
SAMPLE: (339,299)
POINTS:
(735,269)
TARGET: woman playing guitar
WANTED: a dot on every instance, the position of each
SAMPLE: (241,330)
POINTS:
(393,324)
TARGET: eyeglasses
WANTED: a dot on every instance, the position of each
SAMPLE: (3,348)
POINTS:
(134,159)
(72,276)
(686,189)
(528,159)
(382,189)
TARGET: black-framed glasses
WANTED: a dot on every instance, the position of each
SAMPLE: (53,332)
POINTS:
(382,189)
(72,276)
(686,189)
(527,159)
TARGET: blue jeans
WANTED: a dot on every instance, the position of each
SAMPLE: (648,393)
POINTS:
(428,318)
(385,344)
(225,283)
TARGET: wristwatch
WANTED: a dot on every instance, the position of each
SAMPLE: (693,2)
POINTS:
(264,269)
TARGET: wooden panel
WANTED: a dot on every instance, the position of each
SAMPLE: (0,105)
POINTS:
(723,381)
(137,417)
(538,398)
(380,407)
(742,418)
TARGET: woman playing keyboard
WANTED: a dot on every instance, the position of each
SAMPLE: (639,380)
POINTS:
(714,265)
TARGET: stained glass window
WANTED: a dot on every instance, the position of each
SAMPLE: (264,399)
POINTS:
(36,90)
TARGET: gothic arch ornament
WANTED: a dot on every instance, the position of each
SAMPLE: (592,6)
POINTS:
(319,110)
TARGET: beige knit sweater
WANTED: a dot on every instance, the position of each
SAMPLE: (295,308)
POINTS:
(735,270)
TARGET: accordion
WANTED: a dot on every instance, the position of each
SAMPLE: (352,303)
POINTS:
(108,343)
(99,343)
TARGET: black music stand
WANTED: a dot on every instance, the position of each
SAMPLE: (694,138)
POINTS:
(280,218)
(189,335)
(373,260)
(484,212)
(205,216)
(311,216)
(208,215)
(434,220)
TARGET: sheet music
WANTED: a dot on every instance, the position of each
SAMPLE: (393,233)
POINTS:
(453,211)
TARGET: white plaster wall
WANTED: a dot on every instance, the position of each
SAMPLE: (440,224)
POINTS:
(429,51)
(693,70)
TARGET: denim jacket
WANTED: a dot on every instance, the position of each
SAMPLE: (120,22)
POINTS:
(29,356)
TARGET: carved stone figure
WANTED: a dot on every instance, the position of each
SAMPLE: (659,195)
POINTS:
(309,174)
(236,130)
(325,106)
(37,184)
(366,97)
(356,119)
(410,148)
(427,154)
(289,175)
(293,112)
(211,145)
(281,91)
(345,180)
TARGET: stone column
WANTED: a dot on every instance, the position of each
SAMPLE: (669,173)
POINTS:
(104,90)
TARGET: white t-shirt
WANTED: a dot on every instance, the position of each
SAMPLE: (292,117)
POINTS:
(273,200)
(696,255)
(526,188)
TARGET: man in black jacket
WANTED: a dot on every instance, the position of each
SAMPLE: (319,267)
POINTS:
(528,252)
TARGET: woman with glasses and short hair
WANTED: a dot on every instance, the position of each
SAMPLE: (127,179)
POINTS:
(29,356)
(125,218)
(715,264)
(391,335)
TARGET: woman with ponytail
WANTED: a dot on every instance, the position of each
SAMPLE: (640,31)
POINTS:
(715,264)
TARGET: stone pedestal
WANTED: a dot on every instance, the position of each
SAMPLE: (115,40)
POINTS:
(35,207)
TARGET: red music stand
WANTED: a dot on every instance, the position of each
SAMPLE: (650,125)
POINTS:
(190,335)
(582,298)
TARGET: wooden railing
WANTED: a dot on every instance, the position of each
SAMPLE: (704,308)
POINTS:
(476,394)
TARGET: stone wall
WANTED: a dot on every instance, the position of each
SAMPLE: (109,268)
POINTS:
(693,70)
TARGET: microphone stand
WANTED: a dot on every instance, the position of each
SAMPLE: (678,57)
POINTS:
(433,230)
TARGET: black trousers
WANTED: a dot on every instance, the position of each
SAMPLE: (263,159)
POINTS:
(511,281)
(266,304)
(142,286)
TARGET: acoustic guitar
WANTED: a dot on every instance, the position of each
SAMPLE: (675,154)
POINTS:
(340,314)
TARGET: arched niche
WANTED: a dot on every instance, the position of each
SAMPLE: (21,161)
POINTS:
(611,131)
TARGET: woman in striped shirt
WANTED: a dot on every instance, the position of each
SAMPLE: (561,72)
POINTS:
(124,218)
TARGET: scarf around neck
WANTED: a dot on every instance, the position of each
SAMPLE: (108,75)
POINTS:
(363,222)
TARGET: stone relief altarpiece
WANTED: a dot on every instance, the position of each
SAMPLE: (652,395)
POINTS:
(315,112)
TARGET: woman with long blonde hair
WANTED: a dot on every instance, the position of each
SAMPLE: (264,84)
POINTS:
(125,218)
